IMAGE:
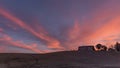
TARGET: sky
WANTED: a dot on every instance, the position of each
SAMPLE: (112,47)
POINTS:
(42,26)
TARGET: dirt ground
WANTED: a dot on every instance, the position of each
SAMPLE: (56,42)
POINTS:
(65,59)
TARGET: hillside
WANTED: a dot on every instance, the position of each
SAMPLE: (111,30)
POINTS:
(64,59)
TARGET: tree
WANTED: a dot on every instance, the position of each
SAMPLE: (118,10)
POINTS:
(98,46)
(104,48)
(101,47)
(111,50)
(117,46)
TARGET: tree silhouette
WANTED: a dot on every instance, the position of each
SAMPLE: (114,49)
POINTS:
(104,48)
(98,46)
(117,46)
(111,50)
(101,47)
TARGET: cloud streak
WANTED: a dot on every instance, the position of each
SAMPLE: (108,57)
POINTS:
(110,23)
(43,35)
(100,25)
(10,41)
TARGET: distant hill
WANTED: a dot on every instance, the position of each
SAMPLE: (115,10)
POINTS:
(64,59)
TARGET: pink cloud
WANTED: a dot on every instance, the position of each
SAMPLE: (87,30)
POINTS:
(7,40)
(43,35)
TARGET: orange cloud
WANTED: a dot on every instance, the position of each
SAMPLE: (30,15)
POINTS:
(102,27)
(74,31)
(73,36)
(108,20)
(107,30)
(50,41)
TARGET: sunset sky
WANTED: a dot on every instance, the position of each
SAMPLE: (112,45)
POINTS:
(40,26)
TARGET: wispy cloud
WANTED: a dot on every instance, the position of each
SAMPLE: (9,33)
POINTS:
(10,41)
(43,35)
(100,25)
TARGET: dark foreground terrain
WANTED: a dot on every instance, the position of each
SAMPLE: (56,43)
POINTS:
(65,59)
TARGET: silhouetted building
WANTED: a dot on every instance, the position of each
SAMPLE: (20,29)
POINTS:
(86,48)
